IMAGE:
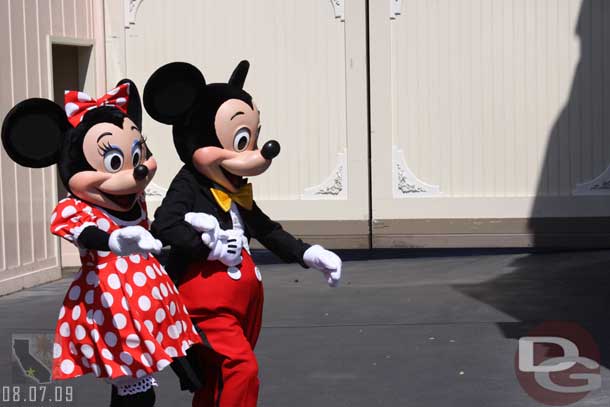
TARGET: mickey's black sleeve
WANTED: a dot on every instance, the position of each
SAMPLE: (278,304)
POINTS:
(169,225)
(275,238)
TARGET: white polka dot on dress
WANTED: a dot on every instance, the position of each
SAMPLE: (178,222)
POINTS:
(96,369)
(126,358)
(68,211)
(62,312)
(74,293)
(113,281)
(171,351)
(110,339)
(149,325)
(87,351)
(150,272)
(146,359)
(98,317)
(107,354)
(80,332)
(139,279)
(103,224)
(95,335)
(135,258)
(160,315)
(172,332)
(56,351)
(144,303)
(107,300)
(162,364)
(150,345)
(128,289)
(92,278)
(89,297)
(67,366)
(121,265)
(132,341)
(119,321)
(126,370)
(76,312)
(64,329)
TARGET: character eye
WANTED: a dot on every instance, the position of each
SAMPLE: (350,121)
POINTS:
(137,152)
(241,139)
(113,160)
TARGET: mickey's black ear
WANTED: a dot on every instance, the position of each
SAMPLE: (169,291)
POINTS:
(32,132)
(134,104)
(238,77)
(171,91)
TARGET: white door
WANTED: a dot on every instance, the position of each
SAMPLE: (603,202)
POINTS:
(308,77)
(489,122)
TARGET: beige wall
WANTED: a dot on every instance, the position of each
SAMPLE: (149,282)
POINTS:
(28,252)
(488,110)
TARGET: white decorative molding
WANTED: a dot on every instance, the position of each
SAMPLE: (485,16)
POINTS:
(404,183)
(339,8)
(334,186)
(395,8)
(130,11)
(155,192)
(597,186)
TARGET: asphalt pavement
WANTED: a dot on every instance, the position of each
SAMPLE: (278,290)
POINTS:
(403,329)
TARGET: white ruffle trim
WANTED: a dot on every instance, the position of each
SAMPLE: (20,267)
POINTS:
(129,385)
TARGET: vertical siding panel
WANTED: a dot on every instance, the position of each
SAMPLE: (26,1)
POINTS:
(563,124)
(36,175)
(22,178)
(519,116)
(477,98)
(585,85)
(574,107)
(44,27)
(69,20)
(487,46)
(81,19)
(498,114)
(605,82)
(597,47)
(445,103)
(57,20)
(8,252)
(531,102)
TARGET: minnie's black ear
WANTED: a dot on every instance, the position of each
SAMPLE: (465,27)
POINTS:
(32,132)
(134,104)
(171,91)
(238,77)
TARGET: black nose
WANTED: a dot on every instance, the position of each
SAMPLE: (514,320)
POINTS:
(140,172)
(270,150)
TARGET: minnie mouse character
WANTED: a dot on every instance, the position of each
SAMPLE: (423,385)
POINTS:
(208,217)
(122,318)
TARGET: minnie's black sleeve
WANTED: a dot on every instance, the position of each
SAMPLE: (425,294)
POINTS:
(169,225)
(274,237)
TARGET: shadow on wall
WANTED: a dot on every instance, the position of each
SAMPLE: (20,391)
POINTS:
(573,286)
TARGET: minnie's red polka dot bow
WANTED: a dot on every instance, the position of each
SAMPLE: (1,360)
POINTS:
(78,103)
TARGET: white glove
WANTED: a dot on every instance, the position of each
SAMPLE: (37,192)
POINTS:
(133,240)
(205,224)
(227,248)
(325,261)
(225,245)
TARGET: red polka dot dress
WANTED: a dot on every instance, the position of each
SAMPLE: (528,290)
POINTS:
(122,316)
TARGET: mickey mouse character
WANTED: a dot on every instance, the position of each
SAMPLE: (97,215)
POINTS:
(208,217)
(122,318)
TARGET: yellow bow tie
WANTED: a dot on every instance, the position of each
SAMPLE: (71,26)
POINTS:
(243,197)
